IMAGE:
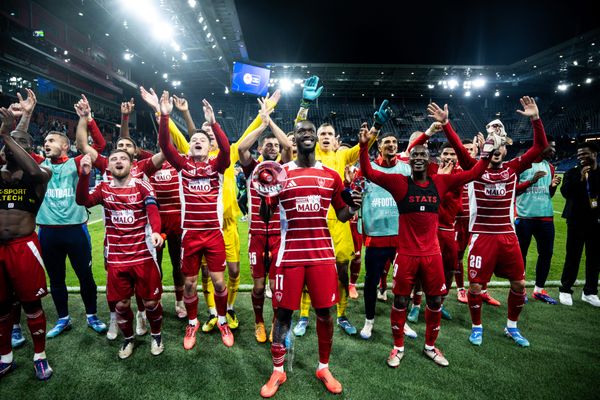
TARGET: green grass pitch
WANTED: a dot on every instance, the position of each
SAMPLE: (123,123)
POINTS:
(562,362)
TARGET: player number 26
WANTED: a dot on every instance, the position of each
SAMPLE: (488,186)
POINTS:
(475,262)
(278,282)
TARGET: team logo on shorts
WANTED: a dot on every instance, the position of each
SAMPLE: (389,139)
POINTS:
(278,296)
(472,273)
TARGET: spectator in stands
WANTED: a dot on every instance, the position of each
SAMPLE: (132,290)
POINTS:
(581,189)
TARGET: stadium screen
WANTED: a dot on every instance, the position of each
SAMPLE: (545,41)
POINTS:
(250,79)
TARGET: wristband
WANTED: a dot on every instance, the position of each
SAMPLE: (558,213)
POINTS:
(306,103)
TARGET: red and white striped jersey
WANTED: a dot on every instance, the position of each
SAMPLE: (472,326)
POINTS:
(201,195)
(464,212)
(257,225)
(128,231)
(492,200)
(303,204)
(165,182)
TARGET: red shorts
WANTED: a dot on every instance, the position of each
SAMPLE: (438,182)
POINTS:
(356,239)
(198,244)
(145,277)
(321,281)
(171,224)
(461,227)
(22,269)
(256,254)
(429,270)
(497,254)
(449,249)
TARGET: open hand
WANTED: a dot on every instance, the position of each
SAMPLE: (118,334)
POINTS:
(209,113)
(151,98)
(28,104)
(127,107)
(180,103)
(437,113)
(530,109)
(166,103)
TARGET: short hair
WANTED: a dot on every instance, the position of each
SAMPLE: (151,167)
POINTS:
(26,135)
(202,131)
(128,138)
(325,125)
(62,135)
(290,133)
(114,151)
(588,145)
(467,141)
(386,135)
(446,145)
(265,136)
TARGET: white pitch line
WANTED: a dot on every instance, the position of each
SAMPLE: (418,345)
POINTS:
(95,221)
(247,288)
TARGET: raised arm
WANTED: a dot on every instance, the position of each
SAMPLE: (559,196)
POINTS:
(82,195)
(396,184)
(287,152)
(247,141)
(127,108)
(23,159)
(223,158)
(310,94)
(441,115)
(26,107)
(540,142)
(164,140)
(180,141)
(182,105)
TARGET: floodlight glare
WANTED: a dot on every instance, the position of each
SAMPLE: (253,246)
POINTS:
(452,84)
(479,83)
(588,80)
(286,85)
(562,87)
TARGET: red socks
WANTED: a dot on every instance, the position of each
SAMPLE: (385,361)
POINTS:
(432,325)
(459,275)
(125,321)
(154,316)
(398,319)
(515,304)
(325,337)
(278,353)
(191,306)
(221,301)
(37,326)
(475,302)
(257,305)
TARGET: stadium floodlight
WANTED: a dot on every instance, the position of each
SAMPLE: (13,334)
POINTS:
(452,84)
(588,80)
(165,76)
(497,93)
(467,85)
(184,56)
(575,63)
(298,81)
(175,46)
(562,87)
(468,93)
(479,83)
(286,85)
(226,90)
(162,31)
(430,86)
(127,56)
(192,3)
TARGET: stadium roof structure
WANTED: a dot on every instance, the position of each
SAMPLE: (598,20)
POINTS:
(189,46)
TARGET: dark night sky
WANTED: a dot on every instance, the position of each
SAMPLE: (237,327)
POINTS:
(398,32)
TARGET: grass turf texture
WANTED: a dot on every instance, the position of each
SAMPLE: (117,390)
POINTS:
(561,363)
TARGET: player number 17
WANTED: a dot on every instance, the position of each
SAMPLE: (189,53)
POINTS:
(278,282)
(475,262)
